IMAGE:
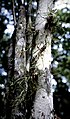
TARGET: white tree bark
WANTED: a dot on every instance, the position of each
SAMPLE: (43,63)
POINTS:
(43,104)
(20,53)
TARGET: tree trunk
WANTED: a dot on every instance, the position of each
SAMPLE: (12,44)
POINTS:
(32,64)
(43,103)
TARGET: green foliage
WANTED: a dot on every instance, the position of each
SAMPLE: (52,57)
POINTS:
(61,42)
(61,61)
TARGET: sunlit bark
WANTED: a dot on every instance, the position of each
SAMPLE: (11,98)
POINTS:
(43,104)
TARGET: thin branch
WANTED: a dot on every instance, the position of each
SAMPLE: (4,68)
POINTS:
(13,10)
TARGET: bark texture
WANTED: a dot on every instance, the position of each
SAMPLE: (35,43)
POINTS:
(32,64)
(20,48)
(43,103)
